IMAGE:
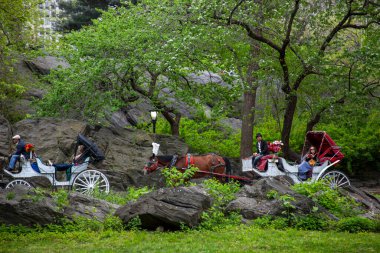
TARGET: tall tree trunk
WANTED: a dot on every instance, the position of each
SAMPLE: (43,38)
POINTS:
(249,103)
(248,117)
(287,127)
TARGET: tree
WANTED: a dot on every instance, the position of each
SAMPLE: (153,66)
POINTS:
(302,36)
(18,22)
(126,54)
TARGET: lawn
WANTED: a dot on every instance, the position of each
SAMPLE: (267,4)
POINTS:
(236,239)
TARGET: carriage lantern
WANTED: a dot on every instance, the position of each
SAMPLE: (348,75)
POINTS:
(153,115)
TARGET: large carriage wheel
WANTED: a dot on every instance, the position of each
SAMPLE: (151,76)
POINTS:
(13,183)
(336,179)
(89,181)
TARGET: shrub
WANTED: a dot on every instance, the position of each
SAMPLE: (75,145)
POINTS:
(215,218)
(134,224)
(61,199)
(339,205)
(175,177)
(121,198)
(358,224)
(310,222)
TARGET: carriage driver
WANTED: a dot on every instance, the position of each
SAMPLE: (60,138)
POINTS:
(20,150)
(262,149)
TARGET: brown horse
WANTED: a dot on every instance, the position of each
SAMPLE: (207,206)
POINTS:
(209,164)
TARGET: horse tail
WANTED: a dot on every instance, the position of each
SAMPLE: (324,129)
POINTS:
(228,166)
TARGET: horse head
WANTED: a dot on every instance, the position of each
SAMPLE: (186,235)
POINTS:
(151,165)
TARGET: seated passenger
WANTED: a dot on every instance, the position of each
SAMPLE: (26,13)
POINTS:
(262,149)
(306,167)
(20,150)
(78,157)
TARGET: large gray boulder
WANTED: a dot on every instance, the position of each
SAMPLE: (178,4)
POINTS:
(126,150)
(25,206)
(22,206)
(44,64)
(253,201)
(168,208)
(85,206)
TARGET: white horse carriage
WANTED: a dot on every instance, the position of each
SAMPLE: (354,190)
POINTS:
(78,176)
(328,154)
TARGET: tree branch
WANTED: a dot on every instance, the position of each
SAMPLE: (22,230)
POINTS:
(233,10)
(250,32)
(290,25)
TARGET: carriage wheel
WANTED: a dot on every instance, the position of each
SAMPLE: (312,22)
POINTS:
(336,179)
(89,181)
(13,183)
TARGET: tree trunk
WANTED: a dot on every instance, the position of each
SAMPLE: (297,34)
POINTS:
(249,103)
(287,127)
(248,117)
(173,121)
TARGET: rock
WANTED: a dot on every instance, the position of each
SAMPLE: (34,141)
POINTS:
(5,136)
(370,204)
(21,206)
(43,65)
(168,208)
(126,150)
(85,206)
(252,201)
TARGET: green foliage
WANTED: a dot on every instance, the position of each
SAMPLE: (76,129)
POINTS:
(339,205)
(305,222)
(358,224)
(222,193)
(215,218)
(10,195)
(121,198)
(37,195)
(209,136)
(311,222)
(175,177)
(61,197)
(134,224)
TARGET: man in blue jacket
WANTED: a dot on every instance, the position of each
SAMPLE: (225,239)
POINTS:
(20,150)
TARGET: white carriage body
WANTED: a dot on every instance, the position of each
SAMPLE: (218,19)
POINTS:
(80,178)
(47,171)
(288,169)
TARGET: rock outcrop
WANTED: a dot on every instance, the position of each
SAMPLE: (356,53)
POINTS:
(126,150)
(253,201)
(168,208)
(21,205)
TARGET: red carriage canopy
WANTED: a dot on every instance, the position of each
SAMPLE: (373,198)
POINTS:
(327,150)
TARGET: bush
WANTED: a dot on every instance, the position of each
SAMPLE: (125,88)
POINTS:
(339,205)
(215,218)
(121,198)
(310,222)
(175,177)
(358,224)
(221,193)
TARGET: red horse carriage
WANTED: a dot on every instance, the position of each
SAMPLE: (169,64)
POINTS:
(271,165)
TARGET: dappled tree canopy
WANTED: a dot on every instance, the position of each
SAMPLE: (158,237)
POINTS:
(304,64)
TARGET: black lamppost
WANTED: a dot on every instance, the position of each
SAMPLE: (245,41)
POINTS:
(153,115)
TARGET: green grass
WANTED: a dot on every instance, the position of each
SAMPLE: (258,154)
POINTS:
(235,239)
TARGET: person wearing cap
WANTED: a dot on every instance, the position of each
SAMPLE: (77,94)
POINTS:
(262,149)
(20,150)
